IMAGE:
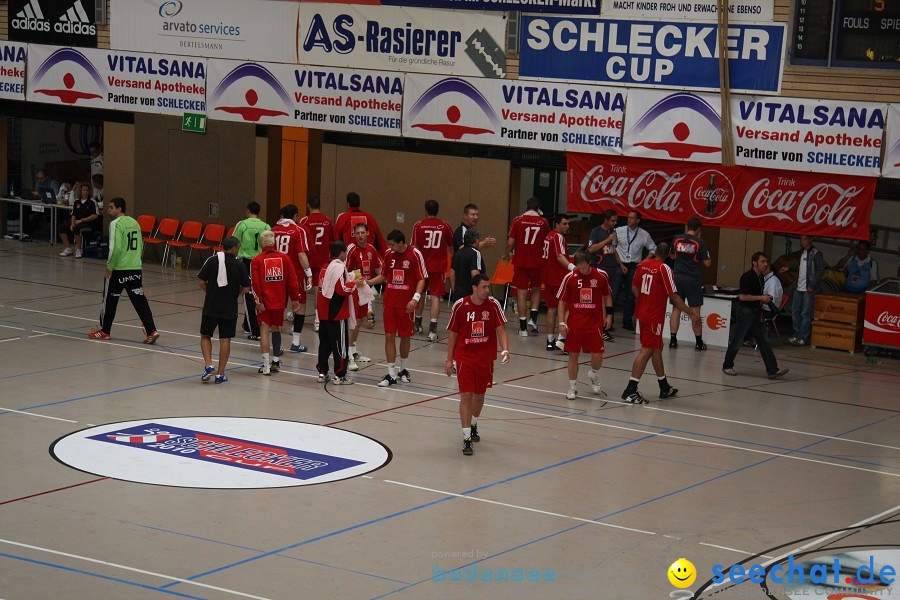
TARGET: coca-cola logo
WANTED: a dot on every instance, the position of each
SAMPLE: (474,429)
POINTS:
(886,319)
(651,190)
(712,194)
(823,203)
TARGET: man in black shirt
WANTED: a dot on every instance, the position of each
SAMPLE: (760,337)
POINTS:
(748,317)
(690,253)
(466,264)
(602,246)
(84,217)
(469,221)
(225,279)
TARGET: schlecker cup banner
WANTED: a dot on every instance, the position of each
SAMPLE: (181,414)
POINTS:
(737,197)
(519,113)
(305,96)
(12,70)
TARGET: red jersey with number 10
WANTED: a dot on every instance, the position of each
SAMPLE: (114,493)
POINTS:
(321,234)
(403,272)
(475,326)
(584,298)
(434,238)
(529,231)
(654,281)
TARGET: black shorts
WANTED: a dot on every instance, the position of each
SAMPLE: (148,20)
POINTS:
(77,230)
(226,327)
(690,289)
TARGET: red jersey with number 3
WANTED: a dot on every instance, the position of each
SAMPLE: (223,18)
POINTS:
(654,281)
(403,272)
(365,259)
(584,298)
(554,245)
(434,238)
(475,326)
(529,231)
(291,239)
(321,234)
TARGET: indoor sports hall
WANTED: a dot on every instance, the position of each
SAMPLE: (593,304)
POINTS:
(590,498)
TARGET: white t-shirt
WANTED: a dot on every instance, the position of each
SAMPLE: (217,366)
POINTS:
(801,282)
(97,165)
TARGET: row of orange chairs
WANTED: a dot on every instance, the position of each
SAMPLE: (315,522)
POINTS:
(192,235)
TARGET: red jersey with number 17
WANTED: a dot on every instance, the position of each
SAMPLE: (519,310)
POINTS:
(584,298)
(654,281)
(434,238)
(321,234)
(403,272)
(529,231)
(291,239)
(475,326)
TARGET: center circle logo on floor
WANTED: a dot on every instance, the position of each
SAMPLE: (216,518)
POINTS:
(221,452)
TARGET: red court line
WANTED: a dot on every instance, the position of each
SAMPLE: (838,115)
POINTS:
(378,412)
(56,490)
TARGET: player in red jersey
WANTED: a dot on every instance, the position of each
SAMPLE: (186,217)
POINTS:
(363,257)
(584,297)
(293,240)
(346,221)
(321,234)
(404,268)
(273,282)
(526,236)
(556,266)
(434,239)
(476,325)
(652,285)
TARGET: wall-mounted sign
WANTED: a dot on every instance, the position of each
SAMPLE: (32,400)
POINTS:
(759,11)
(673,125)
(57,22)
(12,70)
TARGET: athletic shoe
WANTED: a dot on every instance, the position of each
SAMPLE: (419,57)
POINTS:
(730,371)
(523,334)
(79,253)
(669,392)
(298,348)
(25,237)
(571,394)
(673,343)
(475,437)
(561,344)
(551,346)
(221,378)
(360,358)
(432,336)
(370,320)
(467,447)
(151,337)
(791,340)
(387,381)
(351,365)
(67,252)
(700,346)
(607,337)
(799,342)
(207,373)
(98,334)
(342,381)
(323,377)
(595,382)
(417,329)
(533,326)
(404,376)
(253,338)
(778,373)
(316,327)
(636,398)
(265,370)
(276,366)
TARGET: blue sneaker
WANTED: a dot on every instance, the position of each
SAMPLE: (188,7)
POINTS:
(207,373)
(298,348)
(221,378)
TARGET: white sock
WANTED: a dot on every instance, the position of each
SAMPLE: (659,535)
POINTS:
(474,420)
(434,320)
(573,382)
(467,432)
(295,338)
(265,357)
(592,374)
(550,337)
(661,378)
(392,370)
(402,362)
(353,350)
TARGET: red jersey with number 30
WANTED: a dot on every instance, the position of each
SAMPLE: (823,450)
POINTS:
(403,272)
(584,298)
(654,281)
(365,259)
(291,239)
(321,234)
(529,231)
(475,326)
(434,238)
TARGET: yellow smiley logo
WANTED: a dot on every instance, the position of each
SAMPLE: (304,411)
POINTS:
(682,573)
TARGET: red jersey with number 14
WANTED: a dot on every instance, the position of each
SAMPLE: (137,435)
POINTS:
(475,326)
(403,272)
(434,238)
(584,298)
(654,281)
(321,234)
(529,231)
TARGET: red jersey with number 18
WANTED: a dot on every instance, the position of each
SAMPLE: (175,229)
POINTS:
(476,328)
(584,298)
(291,239)
(403,272)
(654,281)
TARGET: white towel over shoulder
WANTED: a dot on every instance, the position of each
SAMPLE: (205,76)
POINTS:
(222,276)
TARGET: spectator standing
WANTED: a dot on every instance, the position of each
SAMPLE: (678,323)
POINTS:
(470,221)
(556,266)
(526,236)
(690,254)
(84,218)
(274,282)
(247,232)
(434,239)
(334,303)
(631,240)
(602,246)
(346,221)
(809,280)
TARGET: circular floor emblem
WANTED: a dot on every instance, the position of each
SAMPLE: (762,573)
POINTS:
(221,452)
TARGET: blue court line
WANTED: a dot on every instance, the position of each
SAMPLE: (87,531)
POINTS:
(409,510)
(535,541)
(98,575)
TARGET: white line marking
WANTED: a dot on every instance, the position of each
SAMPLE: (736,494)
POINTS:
(133,569)
(10,340)
(516,506)
(731,549)
(31,414)
(11,327)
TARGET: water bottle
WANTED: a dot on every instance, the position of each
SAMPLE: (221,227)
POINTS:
(173,260)
(178,263)
(12,189)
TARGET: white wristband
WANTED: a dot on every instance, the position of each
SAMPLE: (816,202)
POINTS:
(307,272)
(571,266)
(505,352)
(563,323)
(417,296)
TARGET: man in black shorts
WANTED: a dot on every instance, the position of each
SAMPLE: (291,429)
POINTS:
(225,279)
(689,252)
(466,264)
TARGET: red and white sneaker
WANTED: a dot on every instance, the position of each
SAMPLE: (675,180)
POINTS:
(98,334)
(151,338)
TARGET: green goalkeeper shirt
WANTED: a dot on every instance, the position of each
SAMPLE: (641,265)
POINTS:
(126,244)
(247,232)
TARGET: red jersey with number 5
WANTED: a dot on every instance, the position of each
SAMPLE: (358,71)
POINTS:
(475,326)
(434,238)
(529,231)
(403,272)
(584,296)
(321,234)
(365,259)
(654,281)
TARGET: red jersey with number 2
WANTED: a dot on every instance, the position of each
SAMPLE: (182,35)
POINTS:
(475,326)
(583,295)
(654,281)
(321,234)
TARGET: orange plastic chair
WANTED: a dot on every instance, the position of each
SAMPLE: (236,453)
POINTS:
(166,231)
(190,233)
(210,240)
(146,223)
(503,275)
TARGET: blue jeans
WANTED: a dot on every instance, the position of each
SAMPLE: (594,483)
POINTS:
(802,314)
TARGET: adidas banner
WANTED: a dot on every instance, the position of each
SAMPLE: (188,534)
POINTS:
(54,22)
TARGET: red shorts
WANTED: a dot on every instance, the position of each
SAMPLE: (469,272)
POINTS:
(398,321)
(549,295)
(302,282)
(434,284)
(527,277)
(273,317)
(651,335)
(362,310)
(475,378)
(582,340)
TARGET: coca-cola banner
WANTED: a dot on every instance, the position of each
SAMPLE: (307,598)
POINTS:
(891,166)
(826,136)
(736,197)
(673,125)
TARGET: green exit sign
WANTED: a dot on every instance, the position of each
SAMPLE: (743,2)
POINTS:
(193,122)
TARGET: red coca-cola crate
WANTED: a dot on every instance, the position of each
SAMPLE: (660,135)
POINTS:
(882,324)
